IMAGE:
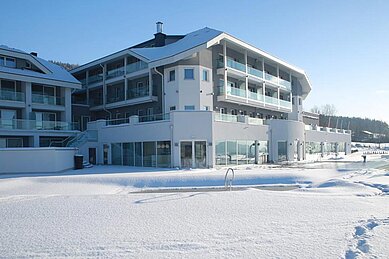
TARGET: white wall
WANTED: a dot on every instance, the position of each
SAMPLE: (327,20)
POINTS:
(36,160)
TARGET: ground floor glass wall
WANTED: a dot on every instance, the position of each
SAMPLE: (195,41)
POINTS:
(238,152)
(147,154)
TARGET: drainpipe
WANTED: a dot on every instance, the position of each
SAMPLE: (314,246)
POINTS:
(163,89)
(105,93)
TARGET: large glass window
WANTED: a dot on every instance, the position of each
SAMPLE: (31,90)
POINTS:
(10,62)
(200,154)
(149,152)
(242,152)
(128,154)
(138,154)
(163,153)
(220,151)
(116,153)
(188,73)
(231,152)
(282,150)
(186,154)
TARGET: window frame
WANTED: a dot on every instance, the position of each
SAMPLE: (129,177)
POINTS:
(205,75)
(185,75)
(172,72)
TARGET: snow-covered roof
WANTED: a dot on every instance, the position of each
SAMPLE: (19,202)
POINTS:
(53,72)
(190,41)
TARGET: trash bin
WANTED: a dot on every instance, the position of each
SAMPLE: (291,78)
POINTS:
(364,158)
(78,161)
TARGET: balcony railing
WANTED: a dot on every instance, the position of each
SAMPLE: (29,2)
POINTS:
(133,67)
(36,125)
(285,104)
(115,72)
(255,121)
(95,78)
(255,72)
(271,100)
(226,117)
(114,99)
(12,96)
(235,65)
(271,78)
(285,84)
(255,96)
(48,99)
(236,91)
(141,119)
(138,92)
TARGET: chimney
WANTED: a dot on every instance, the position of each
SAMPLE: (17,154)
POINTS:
(160,37)
(34,54)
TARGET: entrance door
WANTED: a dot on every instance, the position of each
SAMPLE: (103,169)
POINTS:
(282,150)
(186,154)
(92,156)
(200,154)
(193,154)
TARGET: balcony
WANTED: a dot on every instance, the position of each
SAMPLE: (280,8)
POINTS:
(115,72)
(37,125)
(12,96)
(285,84)
(114,99)
(285,104)
(48,99)
(271,78)
(136,119)
(236,65)
(255,72)
(138,92)
(271,100)
(255,96)
(95,78)
(137,66)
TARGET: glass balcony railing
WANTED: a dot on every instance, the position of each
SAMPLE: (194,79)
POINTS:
(285,104)
(115,72)
(12,96)
(226,117)
(236,91)
(255,72)
(154,117)
(271,78)
(255,121)
(133,67)
(271,100)
(235,65)
(95,78)
(37,125)
(48,99)
(138,92)
(285,84)
(114,99)
(255,96)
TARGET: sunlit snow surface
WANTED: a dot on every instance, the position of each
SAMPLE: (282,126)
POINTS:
(340,211)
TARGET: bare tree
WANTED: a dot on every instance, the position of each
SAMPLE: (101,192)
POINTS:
(328,109)
(315,109)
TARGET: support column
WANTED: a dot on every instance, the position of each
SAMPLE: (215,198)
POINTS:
(225,68)
(68,105)
(87,86)
(151,83)
(125,79)
(28,100)
(35,140)
(256,152)
(104,86)
(246,77)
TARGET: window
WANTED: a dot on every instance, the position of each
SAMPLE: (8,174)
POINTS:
(8,62)
(189,107)
(205,75)
(206,108)
(172,108)
(188,73)
(172,75)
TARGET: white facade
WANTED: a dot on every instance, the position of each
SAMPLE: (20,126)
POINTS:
(211,100)
(35,100)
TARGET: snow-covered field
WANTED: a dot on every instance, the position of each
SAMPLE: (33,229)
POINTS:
(341,210)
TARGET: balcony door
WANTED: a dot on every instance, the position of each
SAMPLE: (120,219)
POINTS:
(7,119)
(45,120)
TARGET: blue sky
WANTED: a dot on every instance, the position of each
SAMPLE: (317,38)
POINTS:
(342,45)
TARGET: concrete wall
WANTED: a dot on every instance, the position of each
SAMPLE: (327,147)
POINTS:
(36,160)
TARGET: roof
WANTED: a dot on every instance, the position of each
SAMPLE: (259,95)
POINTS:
(190,41)
(54,72)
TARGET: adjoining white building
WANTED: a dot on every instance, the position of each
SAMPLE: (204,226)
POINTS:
(35,100)
(199,100)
